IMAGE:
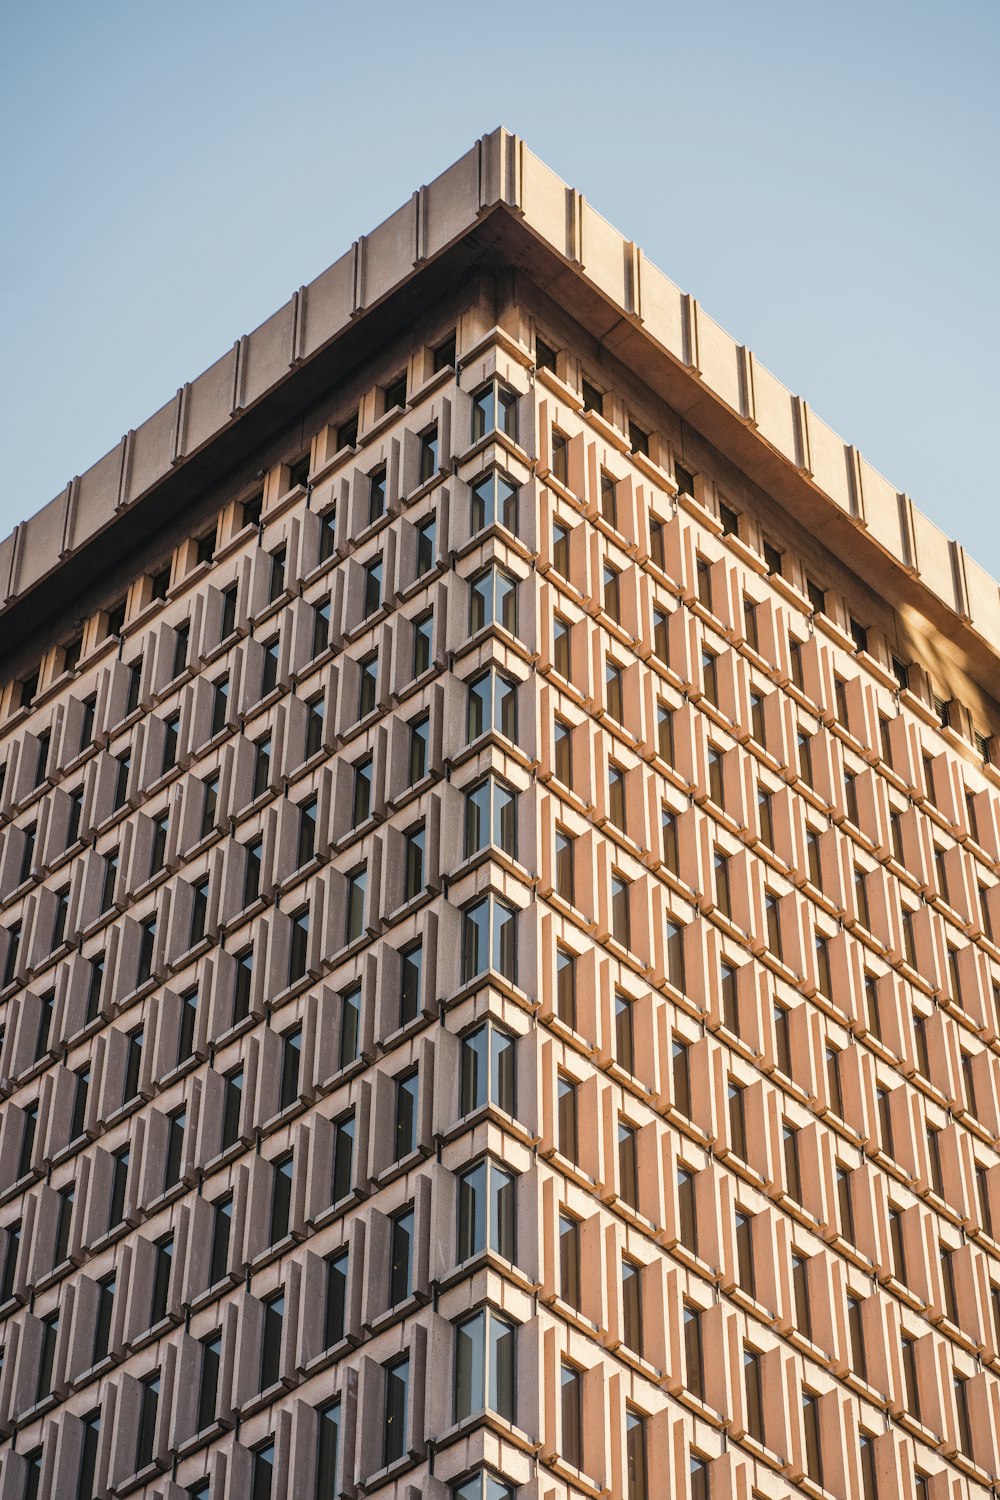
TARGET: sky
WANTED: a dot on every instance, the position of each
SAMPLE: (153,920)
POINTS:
(822,177)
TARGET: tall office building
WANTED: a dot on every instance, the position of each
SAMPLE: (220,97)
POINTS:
(500,914)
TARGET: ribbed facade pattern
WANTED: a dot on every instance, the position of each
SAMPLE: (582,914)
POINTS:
(500,990)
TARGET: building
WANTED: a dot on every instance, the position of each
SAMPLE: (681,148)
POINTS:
(499,914)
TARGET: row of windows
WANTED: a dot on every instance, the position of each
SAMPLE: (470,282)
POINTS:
(778,561)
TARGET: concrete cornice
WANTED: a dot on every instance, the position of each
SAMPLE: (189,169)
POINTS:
(646,321)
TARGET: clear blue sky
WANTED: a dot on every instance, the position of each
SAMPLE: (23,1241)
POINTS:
(823,177)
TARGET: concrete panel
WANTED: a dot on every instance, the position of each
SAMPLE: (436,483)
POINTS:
(389,253)
(6,558)
(603,255)
(268,355)
(41,542)
(545,200)
(152,450)
(881,509)
(98,496)
(661,308)
(773,406)
(210,403)
(450,203)
(328,303)
(829,461)
(934,557)
(984,600)
(717,360)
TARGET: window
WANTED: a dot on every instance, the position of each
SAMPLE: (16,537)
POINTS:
(321,628)
(158,853)
(737,1119)
(334,1319)
(400,1256)
(484,1365)
(270,1342)
(482,1486)
(367,683)
(327,533)
(291,1057)
(350,1025)
(133,1064)
(824,975)
(405,1126)
(445,354)
(493,600)
(560,549)
(149,1402)
(262,1476)
(494,502)
(357,883)
(327,1458)
(298,946)
(488,938)
(772,558)
(790,1153)
(413,862)
(720,868)
(569,1260)
(487,1069)
(571,1412)
(694,1354)
(560,457)
(411,966)
(609,500)
(621,929)
(566,1117)
(176,1126)
(614,690)
(116,624)
(372,599)
(665,733)
(703,582)
(680,1072)
(199,910)
(243,986)
(106,1289)
(426,545)
(397,1381)
(638,440)
(564,865)
(222,1224)
(423,642)
(361,802)
(757,725)
(561,646)
(562,751)
(395,392)
(163,1262)
(753,1384)
(261,766)
(420,735)
(632,1305)
(811,1431)
(486,1203)
(230,597)
(687,1209)
(276,582)
(490,817)
(343,1158)
(628,1165)
(773,920)
(252,509)
(119,1183)
(208,1390)
(661,635)
(566,987)
(494,409)
(232,1108)
(612,593)
(81,1093)
(624,1032)
(220,705)
(545,359)
(492,705)
(800,1294)
(428,454)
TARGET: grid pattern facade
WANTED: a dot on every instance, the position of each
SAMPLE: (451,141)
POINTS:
(500,990)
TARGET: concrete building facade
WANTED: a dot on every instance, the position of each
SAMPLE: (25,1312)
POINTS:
(499,915)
